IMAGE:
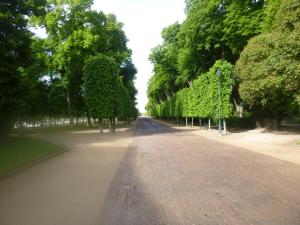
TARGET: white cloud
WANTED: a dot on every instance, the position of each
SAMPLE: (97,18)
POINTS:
(143,22)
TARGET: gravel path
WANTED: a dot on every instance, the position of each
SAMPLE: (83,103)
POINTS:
(68,189)
(161,176)
(176,178)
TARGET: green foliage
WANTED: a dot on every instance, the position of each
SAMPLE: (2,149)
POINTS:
(215,29)
(201,99)
(42,78)
(100,86)
(271,8)
(184,80)
(15,41)
(206,91)
(75,32)
(165,81)
(266,75)
(269,67)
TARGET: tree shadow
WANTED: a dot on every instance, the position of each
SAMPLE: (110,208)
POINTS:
(129,201)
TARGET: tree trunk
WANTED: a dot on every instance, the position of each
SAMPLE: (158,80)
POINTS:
(177,121)
(68,98)
(112,125)
(128,120)
(224,125)
(77,118)
(223,53)
(19,126)
(100,125)
(271,124)
(209,124)
(186,121)
(239,108)
(89,121)
(200,123)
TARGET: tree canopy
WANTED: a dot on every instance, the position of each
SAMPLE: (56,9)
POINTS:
(269,67)
(259,38)
(52,69)
(15,42)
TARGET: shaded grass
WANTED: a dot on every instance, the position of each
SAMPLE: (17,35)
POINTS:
(16,152)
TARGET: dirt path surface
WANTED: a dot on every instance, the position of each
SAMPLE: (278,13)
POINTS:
(168,177)
(280,146)
(68,189)
(161,176)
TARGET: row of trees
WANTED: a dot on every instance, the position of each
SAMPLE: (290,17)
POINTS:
(257,40)
(201,100)
(49,77)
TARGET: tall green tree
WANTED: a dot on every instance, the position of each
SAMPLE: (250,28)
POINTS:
(165,80)
(15,41)
(75,32)
(269,67)
(216,29)
(100,87)
(213,30)
(64,23)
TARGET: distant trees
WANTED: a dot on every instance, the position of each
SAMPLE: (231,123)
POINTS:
(51,71)
(265,80)
(201,99)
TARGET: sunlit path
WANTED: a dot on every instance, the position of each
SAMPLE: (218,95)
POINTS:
(169,177)
(68,189)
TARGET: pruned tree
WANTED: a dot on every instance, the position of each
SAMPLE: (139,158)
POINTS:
(100,88)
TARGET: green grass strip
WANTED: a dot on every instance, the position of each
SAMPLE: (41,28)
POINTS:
(16,152)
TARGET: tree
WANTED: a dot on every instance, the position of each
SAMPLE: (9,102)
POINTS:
(100,87)
(67,38)
(127,75)
(268,69)
(75,32)
(165,80)
(201,99)
(213,30)
(216,29)
(205,90)
(15,53)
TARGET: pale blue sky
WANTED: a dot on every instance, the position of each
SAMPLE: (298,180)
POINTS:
(143,22)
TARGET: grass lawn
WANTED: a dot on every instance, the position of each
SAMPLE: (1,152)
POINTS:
(18,151)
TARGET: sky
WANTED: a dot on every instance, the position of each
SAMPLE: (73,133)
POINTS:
(143,22)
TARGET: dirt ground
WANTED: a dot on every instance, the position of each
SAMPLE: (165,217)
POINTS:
(280,145)
(152,175)
(68,189)
(174,177)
